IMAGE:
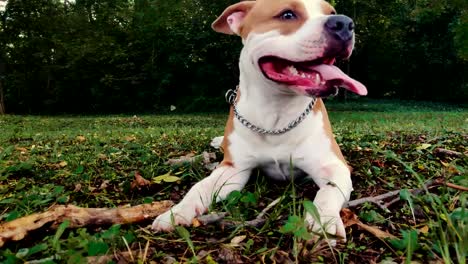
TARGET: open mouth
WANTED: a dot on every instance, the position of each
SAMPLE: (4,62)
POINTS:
(318,77)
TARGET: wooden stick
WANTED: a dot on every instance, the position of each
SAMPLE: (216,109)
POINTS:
(448,152)
(379,198)
(219,218)
(456,187)
(78,216)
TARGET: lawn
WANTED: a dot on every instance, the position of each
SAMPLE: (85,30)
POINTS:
(92,161)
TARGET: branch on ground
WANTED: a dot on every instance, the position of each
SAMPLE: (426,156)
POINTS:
(378,200)
(447,152)
(78,216)
(219,218)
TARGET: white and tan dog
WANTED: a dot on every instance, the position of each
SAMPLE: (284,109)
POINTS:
(286,62)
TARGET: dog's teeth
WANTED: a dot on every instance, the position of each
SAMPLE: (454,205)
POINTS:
(317,79)
(292,70)
(322,83)
(303,75)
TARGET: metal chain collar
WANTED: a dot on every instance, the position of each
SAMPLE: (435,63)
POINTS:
(231,96)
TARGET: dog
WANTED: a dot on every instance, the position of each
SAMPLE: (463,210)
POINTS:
(277,118)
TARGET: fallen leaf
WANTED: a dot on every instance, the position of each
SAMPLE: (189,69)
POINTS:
(349,219)
(165,178)
(424,229)
(445,164)
(63,164)
(81,138)
(196,222)
(375,231)
(104,185)
(77,187)
(235,241)
(423,146)
(130,138)
(22,150)
(139,181)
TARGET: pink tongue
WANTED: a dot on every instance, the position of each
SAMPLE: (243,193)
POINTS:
(333,73)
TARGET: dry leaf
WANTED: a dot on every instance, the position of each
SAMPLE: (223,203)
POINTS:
(196,222)
(63,164)
(235,241)
(424,229)
(349,219)
(104,185)
(423,146)
(375,231)
(77,187)
(22,150)
(130,138)
(139,181)
(81,138)
(166,178)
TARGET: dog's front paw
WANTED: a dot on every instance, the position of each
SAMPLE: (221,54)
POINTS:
(216,142)
(330,223)
(181,214)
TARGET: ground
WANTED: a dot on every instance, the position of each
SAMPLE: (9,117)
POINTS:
(92,161)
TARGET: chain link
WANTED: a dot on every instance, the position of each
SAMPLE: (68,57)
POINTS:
(231,96)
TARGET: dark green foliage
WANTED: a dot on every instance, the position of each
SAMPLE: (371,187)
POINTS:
(145,55)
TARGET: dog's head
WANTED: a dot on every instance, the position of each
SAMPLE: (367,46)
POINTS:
(293,43)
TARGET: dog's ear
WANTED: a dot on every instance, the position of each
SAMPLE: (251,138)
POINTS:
(231,19)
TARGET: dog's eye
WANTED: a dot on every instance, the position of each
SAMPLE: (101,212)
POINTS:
(287,15)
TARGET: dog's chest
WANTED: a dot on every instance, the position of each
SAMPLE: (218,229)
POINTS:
(281,170)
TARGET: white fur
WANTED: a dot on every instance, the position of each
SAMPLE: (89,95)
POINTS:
(273,106)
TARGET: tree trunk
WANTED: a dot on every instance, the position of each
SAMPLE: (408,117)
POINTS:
(2,98)
(2,92)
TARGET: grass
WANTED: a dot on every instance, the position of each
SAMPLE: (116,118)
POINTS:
(92,161)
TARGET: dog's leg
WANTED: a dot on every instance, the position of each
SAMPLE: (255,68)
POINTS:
(217,142)
(222,181)
(334,181)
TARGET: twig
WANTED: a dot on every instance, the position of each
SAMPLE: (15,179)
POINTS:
(211,218)
(78,216)
(260,220)
(372,199)
(219,218)
(448,152)
(378,199)
(456,187)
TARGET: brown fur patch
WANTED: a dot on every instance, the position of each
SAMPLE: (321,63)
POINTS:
(227,160)
(327,9)
(263,17)
(221,25)
(320,107)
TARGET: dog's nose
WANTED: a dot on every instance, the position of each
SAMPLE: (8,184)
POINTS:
(340,27)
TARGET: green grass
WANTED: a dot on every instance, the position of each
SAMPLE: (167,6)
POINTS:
(91,161)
